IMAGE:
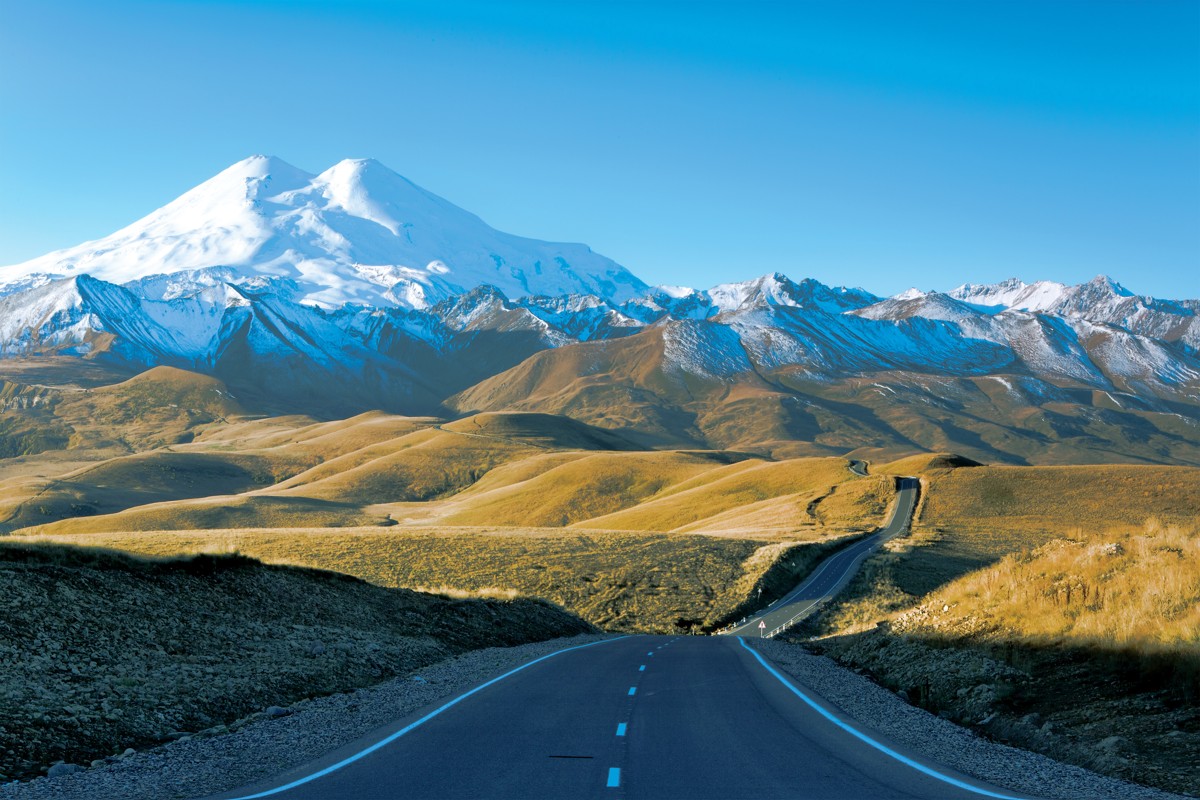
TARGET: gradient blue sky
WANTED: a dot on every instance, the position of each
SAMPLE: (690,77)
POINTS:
(883,145)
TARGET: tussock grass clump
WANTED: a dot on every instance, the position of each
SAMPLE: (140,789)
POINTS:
(1137,591)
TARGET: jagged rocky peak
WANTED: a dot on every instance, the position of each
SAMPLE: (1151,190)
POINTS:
(778,289)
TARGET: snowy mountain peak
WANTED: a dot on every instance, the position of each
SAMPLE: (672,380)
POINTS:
(779,290)
(1106,284)
(909,294)
(357,233)
(1011,294)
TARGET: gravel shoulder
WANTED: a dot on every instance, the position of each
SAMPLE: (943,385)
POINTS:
(945,742)
(286,738)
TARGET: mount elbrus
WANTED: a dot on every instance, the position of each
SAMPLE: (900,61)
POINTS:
(355,289)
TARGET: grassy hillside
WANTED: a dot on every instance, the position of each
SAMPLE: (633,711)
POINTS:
(105,651)
(588,485)
(1051,499)
(1067,593)
(617,580)
(718,491)
(1083,648)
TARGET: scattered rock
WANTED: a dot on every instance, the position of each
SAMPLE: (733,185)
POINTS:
(60,769)
(276,711)
(316,649)
(1114,745)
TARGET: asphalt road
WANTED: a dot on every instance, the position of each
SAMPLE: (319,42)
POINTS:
(638,717)
(832,574)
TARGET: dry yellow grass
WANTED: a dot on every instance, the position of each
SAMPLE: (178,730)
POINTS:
(721,490)
(922,464)
(971,518)
(620,580)
(1138,588)
(210,513)
(1049,500)
(590,485)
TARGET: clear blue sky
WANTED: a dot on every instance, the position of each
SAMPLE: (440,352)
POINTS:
(883,144)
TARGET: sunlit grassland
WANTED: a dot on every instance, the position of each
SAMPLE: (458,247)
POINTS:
(1138,588)
(620,580)
(973,518)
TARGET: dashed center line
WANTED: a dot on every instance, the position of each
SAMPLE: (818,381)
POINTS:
(614,777)
(621,727)
(632,691)
(642,668)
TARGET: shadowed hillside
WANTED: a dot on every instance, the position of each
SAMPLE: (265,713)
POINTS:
(190,645)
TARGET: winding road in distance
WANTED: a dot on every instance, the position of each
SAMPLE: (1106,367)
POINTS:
(832,574)
(687,717)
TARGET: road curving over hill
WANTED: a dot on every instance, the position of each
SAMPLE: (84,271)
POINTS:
(634,717)
(832,574)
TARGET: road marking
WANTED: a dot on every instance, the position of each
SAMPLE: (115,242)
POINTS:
(414,725)
(632,691)
(650,653)
(642,668)
(621,728)
(903,759)
(614,777)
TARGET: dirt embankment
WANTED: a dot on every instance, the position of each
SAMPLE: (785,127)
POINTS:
(100,652)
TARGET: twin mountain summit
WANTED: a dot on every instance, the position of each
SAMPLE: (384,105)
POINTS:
(356,289)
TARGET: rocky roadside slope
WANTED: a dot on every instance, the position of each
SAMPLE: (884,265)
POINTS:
(945,742)
(101,652)
(265,745)
(1100,710)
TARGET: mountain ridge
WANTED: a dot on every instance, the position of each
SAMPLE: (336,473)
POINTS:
(294,319)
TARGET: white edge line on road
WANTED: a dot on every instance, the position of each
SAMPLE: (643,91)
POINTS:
(407,728)
(863,737)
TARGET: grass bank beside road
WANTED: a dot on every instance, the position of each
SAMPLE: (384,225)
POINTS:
(618,580)
(102,651)
(1069,625)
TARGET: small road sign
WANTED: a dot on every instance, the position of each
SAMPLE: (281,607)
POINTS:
(762,626)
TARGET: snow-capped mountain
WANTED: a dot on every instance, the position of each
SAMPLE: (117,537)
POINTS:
(355,289)
(357,233)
